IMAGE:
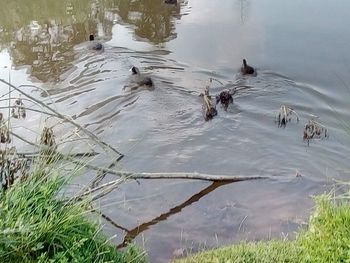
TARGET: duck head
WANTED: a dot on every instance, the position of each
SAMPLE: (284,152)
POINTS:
(246,69)
(135,70)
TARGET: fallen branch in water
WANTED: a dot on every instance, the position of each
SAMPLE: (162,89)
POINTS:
(101,175)
(218,81)
(124,176)
(175,175)
(96,181)
(193,176)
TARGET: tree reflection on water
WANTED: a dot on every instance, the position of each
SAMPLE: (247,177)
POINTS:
(153,20)
(42,34)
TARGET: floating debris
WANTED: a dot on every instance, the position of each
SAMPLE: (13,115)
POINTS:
(209,110)
(297,173)
(286,115)
(4,130)
(225,98)
(47,139)
(18,110)
(314,130)
(11,164)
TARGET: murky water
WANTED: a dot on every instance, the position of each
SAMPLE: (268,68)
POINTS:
(301,54)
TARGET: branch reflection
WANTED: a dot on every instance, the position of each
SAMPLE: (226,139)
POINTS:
(133,233)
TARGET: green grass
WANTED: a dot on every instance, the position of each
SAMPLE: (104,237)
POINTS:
(36,227)
(326,240)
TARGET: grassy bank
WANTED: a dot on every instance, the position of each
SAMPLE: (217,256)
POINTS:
(37,227)
(327,239)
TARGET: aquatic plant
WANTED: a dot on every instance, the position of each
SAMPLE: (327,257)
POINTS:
(208,107)
(314,130)
(18,109)
(285,115)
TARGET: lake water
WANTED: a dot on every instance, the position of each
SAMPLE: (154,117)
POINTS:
(300,50)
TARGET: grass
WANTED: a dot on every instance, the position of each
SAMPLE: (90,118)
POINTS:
(37,227)
(326,240)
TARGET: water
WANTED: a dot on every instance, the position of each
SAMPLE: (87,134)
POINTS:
(300,51)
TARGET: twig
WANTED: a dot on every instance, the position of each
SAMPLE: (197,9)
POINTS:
(234,90)
(211,79)
(98,178)
(30,109)
(83,154)
(68,157)
(23,139)
(90,166)
(106,189)
(101,175)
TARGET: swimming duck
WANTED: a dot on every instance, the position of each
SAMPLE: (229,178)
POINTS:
(246,69)
(225,98)
(97,45)
(171,2)
(141,80)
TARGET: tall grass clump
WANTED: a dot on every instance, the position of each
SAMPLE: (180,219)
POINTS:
(326,240)
(36,226)
(328,235)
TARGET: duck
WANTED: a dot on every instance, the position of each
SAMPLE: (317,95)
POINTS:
(170,2)
(246,69)
(95,45)
(225,98)
(141,80)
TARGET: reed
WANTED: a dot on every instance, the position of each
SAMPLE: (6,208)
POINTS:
(37,226)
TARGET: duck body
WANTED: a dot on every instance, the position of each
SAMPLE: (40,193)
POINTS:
(170,2)
(246,69)
(147,81)
(95,45)
(225,98)
(141,80)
